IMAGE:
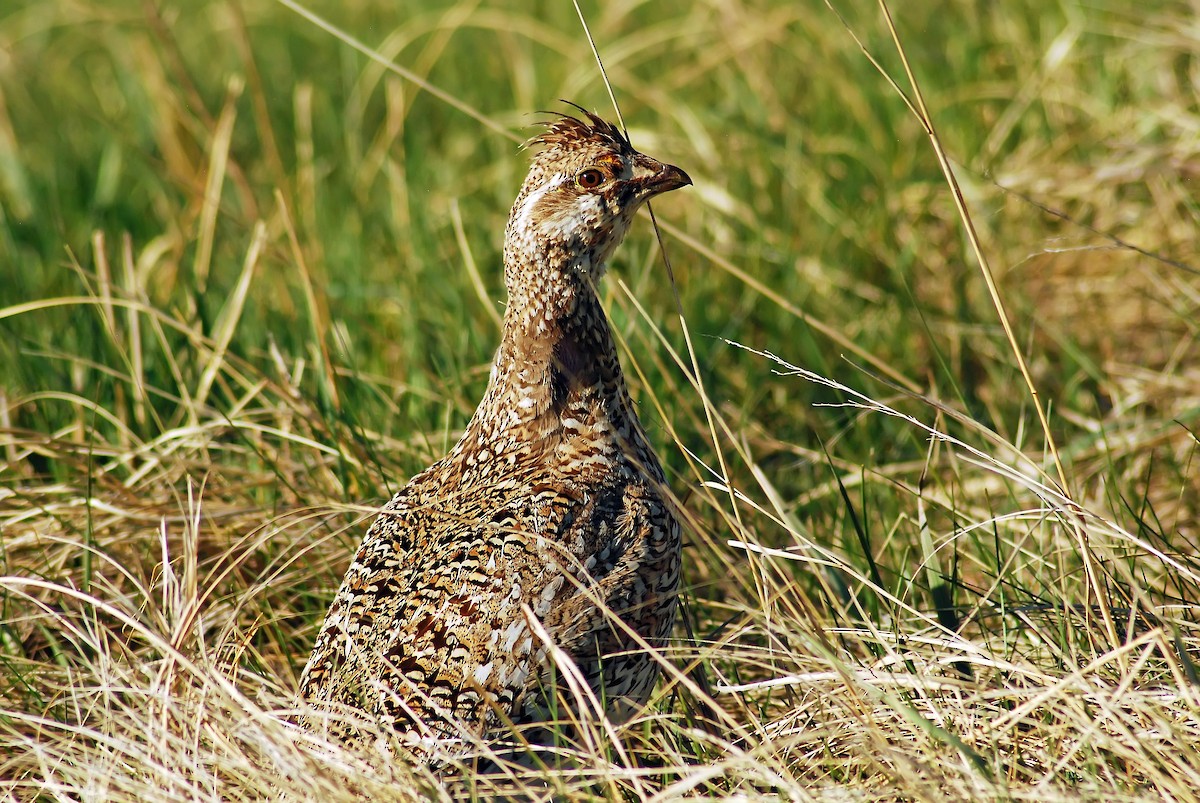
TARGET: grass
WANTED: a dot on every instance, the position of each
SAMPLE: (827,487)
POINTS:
(249,286)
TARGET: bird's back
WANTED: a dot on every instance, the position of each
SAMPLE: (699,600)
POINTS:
(431,628)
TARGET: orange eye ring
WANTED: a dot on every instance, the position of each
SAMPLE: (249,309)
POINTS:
(589,179)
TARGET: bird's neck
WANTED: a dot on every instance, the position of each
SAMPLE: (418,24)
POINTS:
(556,355)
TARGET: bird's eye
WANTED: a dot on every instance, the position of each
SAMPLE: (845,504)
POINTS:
(590,179)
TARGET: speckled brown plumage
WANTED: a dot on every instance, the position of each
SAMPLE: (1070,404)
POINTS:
(551,505)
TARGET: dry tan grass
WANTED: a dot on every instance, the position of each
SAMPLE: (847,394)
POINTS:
(890,597)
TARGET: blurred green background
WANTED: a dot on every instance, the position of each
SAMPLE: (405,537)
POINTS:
(821,226)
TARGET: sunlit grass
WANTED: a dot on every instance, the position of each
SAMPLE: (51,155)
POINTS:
(248,285)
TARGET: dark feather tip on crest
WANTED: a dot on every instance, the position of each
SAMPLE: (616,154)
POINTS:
(565,130)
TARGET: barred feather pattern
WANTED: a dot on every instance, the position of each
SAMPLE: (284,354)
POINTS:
(552,505)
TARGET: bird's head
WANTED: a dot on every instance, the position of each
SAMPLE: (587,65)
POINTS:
(584,186)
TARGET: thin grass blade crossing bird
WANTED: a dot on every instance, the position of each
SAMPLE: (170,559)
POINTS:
(553,504)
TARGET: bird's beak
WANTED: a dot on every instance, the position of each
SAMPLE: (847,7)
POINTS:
(670,178)
(656,177)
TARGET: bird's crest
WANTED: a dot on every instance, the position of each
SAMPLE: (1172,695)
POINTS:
(565,131)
